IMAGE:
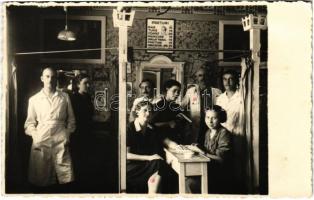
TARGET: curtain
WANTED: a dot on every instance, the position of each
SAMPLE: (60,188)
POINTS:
(13,161)
(247,72)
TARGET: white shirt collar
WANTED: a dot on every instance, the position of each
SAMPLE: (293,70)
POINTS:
(44,95)
(236,94)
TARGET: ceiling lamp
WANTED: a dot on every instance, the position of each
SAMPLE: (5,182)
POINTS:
(66,34)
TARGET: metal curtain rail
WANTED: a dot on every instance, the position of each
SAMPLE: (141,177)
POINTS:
(136,49)
(64,51)
(205,50)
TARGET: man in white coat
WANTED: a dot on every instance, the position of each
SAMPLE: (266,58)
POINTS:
(232,101)
(50,121)
(198,98)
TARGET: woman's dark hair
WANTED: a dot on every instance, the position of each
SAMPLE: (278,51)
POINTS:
(138,107)
(169,83)
(221,113)
(234,74)
(76,80)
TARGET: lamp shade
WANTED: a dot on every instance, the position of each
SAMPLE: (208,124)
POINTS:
(66,35)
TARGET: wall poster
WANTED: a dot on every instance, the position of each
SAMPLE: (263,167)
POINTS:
(160,35)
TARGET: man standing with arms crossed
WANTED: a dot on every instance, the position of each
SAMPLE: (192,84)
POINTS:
(50,121)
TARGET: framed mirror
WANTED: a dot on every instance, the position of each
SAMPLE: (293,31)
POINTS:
(160,69)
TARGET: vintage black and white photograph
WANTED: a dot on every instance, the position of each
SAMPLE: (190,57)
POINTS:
(137,99)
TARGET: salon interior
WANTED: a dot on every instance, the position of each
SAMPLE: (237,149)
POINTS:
(104,41)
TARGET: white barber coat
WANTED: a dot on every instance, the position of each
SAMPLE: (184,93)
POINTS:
(49,122)
(235,112)
(193,99)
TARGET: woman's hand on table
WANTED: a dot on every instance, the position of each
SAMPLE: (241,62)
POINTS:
(171,144)
(194,148)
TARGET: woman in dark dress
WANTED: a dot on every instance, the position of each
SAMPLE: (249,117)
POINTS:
(81,138)
(217,146)
(145,166)
(165,115)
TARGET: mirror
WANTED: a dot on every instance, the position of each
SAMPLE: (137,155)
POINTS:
(160,69)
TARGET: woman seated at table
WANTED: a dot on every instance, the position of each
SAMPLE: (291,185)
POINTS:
(165,115)
(217,146)
(145,166)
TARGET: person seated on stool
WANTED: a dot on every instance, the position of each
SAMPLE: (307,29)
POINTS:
(217,146)
(145,165)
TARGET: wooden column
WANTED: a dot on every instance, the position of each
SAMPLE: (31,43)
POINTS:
(122,20)
(254,24)
(255,47)
(123,38)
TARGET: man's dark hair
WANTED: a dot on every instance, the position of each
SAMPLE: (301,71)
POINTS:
(50,68)
(234,73)
(147,81)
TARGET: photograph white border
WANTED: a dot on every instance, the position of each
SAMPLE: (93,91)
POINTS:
(290,91)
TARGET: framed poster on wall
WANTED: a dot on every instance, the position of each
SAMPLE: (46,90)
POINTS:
(160,35)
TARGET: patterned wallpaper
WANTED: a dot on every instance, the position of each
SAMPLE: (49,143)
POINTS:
(106,76)
(188,35)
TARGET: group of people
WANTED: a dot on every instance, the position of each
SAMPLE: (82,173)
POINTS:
(216,131)
(57,156)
